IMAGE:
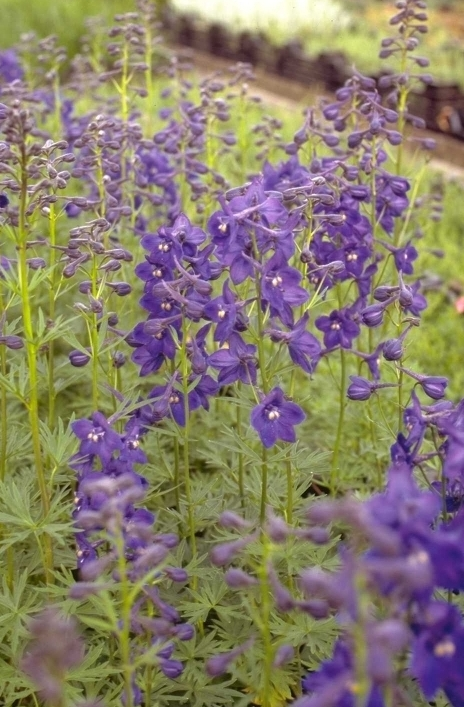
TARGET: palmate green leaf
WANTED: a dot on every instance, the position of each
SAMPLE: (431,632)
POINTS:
(213,694)
(97,623)
(16,606)
(16,381)
(232,442)
(24,515)
(59,443)
(14,686)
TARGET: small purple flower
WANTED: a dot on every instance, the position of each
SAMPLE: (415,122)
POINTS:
(303,347)
(360,388)
(97,437)
(237,362)
(275,417)
(339,329)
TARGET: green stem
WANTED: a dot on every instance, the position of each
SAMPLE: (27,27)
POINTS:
(177,473)
(264,475)
(186,460)
(51,314)
(241,485)
(265,616)
(335,468)
(31,353)
(124,632)
(3,416)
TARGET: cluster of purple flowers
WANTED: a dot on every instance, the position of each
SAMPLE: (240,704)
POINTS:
(228,297)
(115,534)
(406,554)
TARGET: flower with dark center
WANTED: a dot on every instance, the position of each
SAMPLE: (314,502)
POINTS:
(275,418)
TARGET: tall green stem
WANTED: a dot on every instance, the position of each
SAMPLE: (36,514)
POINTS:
(186,459)
(124,632)
(265,630)
(241,485)
(264,475)
(335,467)
(51,315)
(31,353)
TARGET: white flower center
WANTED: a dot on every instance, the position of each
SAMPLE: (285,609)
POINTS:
(444,649)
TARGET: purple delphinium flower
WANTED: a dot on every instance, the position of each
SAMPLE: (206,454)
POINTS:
(275,418)
(97,437)
(339,329)
(303,347)
(223,311)
(361,388)
(280,289)
(10,67)
(55,648)
(437,651)
(332,683)
(237,362)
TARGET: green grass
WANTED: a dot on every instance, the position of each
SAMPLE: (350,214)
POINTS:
(65,18)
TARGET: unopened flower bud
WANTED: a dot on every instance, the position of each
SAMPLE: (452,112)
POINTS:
(236,578)
(283,655)
(393,350)
(78,359)
(12,342)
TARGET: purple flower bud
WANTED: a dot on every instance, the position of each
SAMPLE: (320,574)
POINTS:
(283,599)
(317,608)
(36,263)
(171,668)
(120,288)
(393,350)
(360,388)
(82,590)
(150,557)
(434,386)
(331,140)
(283,655)
(406,296)
(54,649)
(170,540)
(228,519)
(226,552)
(111,265)
(317,535)
(78,359)
(277,528)
(184,632)
(4,201)
(372,315)
(12,342)
(236,578)
(394,137)
(219,664)
(355,139)
(384,292)
(176,574)
(85,287)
